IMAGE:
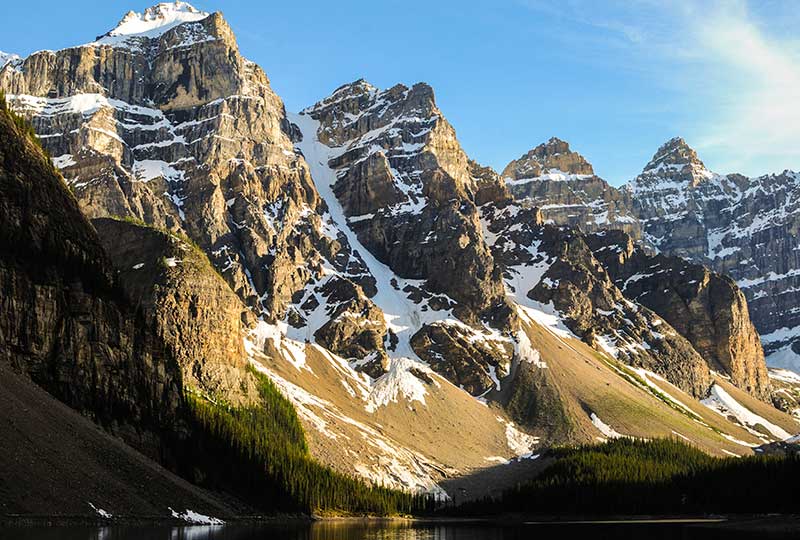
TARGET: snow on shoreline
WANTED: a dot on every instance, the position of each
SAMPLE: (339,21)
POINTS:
(195,518)
(100,512)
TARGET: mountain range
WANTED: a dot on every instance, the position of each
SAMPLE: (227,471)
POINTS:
(435,324)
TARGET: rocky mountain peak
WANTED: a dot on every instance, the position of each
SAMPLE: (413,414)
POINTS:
(155,20)
(352,90)
(676,158)
(554,155)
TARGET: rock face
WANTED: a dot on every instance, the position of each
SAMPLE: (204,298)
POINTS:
(406,193)
(172,126)
(192,308)
(563,185)
(63,320)
(705,307)
(679,208)
(163,120)
(553,271)
(374,272)
(406,187)
(743,227)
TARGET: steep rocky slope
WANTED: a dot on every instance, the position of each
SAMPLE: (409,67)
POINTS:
(56,463)
(743,227)
(399,184)
(171,125)
(424,325)
(554,277)
(562,184)
(702,306)
(67,325)
(705,307)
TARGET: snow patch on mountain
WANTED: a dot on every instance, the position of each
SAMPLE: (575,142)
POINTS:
(552,175)
(527,352)
(148,169)
(195,518)
(399,380)
(100,512)
(519,442)
(292,350)
(784,375)
(546,316)
(722,402)
(9,58)
(153,23)
(85,104)
(607,431)
(784,358)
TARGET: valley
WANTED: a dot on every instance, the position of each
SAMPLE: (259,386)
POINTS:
(224,309)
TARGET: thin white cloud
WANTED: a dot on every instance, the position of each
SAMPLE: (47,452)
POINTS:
(733,68)
(756,121)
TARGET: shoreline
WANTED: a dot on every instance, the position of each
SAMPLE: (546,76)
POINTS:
(732,520)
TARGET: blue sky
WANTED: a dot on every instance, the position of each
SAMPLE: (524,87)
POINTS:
(615,78)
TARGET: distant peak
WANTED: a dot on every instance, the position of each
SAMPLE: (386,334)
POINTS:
(555,141)
(358,84)
(553,155)
(155,20)
(675,153)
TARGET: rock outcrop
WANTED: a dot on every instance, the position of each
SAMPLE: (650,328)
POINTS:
(172,126)
(407,194)
(706,308)
(192,308)
(564,186)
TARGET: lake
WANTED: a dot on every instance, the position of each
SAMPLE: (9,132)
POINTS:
(355,530)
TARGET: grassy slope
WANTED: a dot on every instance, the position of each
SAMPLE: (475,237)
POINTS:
(588,380)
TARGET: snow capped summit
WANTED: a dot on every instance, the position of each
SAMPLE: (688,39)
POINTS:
(8,58)
(155,21)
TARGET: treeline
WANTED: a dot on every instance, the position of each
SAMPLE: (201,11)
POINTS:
(260,455)
(664,476)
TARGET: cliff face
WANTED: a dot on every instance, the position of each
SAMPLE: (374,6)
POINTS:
(680,208)
(564,186)
(705,307)
(63,320)
(192,309)
(405,192)
(739,226)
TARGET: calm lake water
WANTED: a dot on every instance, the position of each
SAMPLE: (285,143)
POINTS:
(389,531)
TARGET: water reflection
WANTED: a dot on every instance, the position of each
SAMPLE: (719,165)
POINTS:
(349,530)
